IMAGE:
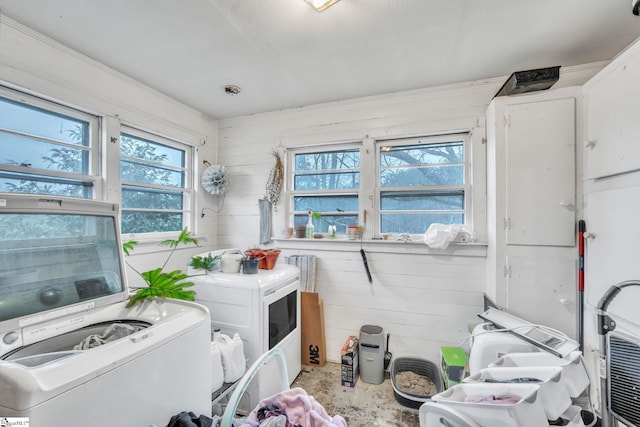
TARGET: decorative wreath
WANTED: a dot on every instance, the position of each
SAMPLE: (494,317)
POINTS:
(214,180)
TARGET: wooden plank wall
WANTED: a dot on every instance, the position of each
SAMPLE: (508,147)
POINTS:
(422,298)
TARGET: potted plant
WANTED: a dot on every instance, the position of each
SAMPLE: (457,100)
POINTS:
(331,227)
(160,283)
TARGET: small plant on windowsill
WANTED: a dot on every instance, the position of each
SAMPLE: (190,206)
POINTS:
(162,284)
(331,226)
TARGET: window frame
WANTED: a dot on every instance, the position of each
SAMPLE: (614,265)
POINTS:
(423,141)
(291,193)
(369,193)
(188,169)
(103,152)
(93,178)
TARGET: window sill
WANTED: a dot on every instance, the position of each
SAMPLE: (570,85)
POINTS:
(478,249)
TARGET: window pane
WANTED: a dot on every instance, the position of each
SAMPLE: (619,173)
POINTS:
(38,141)
(139,198)
(328,160)
(424,201)
(328,181)
(320,225)
(148,174)
(425,164)
(416,223)
(426,175)
(23,151)
(149,222)
(24,118)
(144,149)
(37,184)
(328,203)
(425,154)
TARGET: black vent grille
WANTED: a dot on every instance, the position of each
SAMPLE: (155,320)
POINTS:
(624,379)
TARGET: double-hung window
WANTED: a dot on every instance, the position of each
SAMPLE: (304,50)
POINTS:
(421,181)
(46,148)
(402,185)
(155,181)
(326,182)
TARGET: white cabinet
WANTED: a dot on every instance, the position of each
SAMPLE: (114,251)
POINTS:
(612,100)
(531,178)
(540,173)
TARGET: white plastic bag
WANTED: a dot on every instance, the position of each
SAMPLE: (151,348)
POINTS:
(439,236)
(232,355)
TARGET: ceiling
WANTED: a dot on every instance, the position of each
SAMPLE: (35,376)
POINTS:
(283,54)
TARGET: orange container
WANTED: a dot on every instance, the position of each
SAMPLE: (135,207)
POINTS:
(267,257)
(270,259)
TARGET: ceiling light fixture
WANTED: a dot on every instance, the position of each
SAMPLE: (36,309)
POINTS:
(320,5)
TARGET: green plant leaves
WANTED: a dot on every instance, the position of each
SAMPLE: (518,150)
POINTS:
(163,284)
(185,238)
(128,246)
(204,263)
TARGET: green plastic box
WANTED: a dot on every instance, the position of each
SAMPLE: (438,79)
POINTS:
(453,364)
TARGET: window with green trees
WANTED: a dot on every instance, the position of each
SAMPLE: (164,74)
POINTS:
(153,176)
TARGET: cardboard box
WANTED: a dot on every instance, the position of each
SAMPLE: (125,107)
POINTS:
(349,368)
(313,351)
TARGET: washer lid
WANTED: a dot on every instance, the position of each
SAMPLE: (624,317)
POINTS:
(57,256)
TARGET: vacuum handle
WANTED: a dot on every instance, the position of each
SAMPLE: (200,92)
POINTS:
(369,345)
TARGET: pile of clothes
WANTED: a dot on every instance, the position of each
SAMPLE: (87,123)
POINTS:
(291,408)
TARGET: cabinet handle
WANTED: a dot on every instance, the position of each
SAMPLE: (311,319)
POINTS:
(591,143)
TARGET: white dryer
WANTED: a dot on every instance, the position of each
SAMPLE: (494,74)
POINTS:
(62,287)
(264,309)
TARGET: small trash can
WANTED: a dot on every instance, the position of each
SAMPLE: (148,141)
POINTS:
(371,354)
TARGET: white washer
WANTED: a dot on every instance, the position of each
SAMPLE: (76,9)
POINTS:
(264,309)
(61,282)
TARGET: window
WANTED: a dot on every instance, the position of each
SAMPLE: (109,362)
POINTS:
(327,182)
(404,185)
(46,148)
(421,181)
(155,183)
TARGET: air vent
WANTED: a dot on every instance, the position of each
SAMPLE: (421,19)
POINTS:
(529,81)
(624,378)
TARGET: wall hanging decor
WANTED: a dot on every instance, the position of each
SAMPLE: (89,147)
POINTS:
(275,181)
(214,179)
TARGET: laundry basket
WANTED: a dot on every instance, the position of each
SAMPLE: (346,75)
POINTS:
(477,402)
(574,373)
(424,370)
(553,393)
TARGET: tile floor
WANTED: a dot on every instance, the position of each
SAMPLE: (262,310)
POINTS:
(363,405)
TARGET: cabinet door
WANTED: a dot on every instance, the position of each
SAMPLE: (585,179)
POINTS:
(542,289)
(540,144)
(613,102)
